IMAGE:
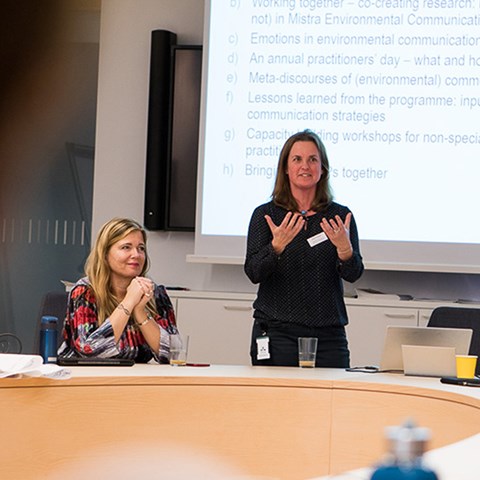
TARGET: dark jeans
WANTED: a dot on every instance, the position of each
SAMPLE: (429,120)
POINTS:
(332,349)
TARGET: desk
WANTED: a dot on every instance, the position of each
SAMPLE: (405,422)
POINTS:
(268,422)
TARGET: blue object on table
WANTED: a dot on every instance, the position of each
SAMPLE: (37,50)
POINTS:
(398,472)
(404,462)
(48,339)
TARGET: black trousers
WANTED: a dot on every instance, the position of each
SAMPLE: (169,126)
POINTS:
(332,348)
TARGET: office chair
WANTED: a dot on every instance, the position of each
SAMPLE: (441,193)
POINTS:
(54,304)
(459,317)
(10,343)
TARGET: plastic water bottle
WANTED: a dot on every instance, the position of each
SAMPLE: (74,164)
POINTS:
(407,444)
(48,339)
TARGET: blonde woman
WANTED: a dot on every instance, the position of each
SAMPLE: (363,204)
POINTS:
(115,310)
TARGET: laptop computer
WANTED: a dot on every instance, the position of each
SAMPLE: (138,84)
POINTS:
(425,361)
(95,362)
(396,336)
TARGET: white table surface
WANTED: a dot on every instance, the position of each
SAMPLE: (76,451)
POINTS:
(238,371)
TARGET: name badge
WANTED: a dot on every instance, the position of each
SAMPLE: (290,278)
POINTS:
(262,348)
(316,239)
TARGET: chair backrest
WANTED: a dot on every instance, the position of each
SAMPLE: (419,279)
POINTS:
(459,317)
(10,343)
(55,304)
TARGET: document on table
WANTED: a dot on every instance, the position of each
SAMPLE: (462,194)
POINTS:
(16,365)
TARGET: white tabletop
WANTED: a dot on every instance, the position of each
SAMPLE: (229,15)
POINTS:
(249,372)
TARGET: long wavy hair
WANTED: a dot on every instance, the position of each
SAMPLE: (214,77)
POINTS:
(282,193)
(98,270)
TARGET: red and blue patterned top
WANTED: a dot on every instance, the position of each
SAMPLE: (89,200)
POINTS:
(83,337)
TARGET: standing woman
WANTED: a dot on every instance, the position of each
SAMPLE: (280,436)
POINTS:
(115,311)
(300,247)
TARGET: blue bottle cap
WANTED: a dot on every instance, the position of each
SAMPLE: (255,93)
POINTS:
(49,319)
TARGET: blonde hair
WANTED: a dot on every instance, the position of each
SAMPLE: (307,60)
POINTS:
(98,270)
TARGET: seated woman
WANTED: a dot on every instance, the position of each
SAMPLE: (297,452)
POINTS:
(115,311)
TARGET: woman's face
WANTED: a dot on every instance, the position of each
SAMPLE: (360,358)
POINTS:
(126,257)
(304,167)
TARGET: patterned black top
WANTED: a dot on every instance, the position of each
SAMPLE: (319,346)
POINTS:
(304,284)
(83,337)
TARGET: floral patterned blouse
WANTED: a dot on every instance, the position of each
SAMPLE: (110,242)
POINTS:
(83,337)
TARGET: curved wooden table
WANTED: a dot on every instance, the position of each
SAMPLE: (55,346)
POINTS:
(283,423)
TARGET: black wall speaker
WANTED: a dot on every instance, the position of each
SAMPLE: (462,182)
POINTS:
(185,126)
(172,136)
(158,133)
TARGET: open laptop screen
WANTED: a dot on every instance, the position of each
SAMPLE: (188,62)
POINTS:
(396,336)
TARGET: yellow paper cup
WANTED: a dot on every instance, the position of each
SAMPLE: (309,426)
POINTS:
(466,365)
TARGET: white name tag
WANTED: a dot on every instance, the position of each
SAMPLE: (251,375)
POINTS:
(262,348)
(316,239)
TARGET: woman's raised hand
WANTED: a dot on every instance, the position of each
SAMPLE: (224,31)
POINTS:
(284,233)
(338,233)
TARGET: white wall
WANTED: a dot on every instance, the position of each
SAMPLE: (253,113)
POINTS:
(125,31)
(121,147)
